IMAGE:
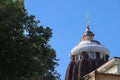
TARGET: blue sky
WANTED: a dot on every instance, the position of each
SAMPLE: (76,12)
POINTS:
(67,18)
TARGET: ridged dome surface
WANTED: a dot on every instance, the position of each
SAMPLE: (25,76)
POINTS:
(89,46)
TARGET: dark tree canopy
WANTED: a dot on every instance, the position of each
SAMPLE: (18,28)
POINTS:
(24,50)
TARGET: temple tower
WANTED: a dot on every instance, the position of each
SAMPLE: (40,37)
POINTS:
(85,57)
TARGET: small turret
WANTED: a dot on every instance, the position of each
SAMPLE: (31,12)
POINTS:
(88,35)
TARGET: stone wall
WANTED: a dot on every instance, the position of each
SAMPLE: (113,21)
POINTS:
(104,76)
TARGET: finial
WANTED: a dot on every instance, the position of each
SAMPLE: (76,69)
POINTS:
(87,19)
(88,35)
(87,22)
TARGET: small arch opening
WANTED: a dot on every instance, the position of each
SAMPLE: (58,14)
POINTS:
(84,55)
(97,55)
(106,57)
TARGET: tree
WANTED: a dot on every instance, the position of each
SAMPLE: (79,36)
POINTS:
(24,50)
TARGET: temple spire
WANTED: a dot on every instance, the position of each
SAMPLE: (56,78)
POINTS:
(86,56)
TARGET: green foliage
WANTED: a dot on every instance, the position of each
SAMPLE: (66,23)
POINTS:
(24,50)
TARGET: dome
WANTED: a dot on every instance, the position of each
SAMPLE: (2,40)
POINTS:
(89,45)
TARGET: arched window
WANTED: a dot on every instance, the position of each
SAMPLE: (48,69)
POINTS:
(97,55)
(73,58)
(106,57)
(84,55)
